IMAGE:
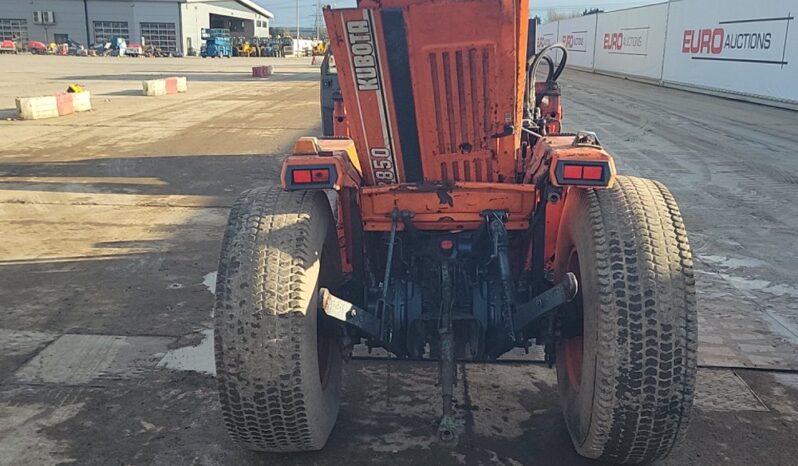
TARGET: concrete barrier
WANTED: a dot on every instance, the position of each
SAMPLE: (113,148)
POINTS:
(262,71)
(81,101)
(182,84)
(154,87)
(63,101)
(164,86)
(52,106)
(171,85)
(37,108)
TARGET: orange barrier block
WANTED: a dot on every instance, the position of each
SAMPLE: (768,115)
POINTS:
(64,104)
(261,71)
(171,85)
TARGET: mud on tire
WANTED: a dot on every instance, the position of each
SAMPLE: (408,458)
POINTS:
(278,366)
(626,363)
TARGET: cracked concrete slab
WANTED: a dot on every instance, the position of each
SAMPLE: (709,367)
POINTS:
(83,359)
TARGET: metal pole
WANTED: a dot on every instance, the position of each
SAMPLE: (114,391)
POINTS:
(86,17)
(297,24)
(318,22)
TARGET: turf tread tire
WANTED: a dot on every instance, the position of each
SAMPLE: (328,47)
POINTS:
(639,366)
(267,364)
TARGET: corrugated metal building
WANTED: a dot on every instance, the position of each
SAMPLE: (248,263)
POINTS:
(171,25)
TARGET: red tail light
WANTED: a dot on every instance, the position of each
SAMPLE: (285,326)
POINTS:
(572,172)
(592,173)
(312,177)
(583,173)
(322,175)
(302,176)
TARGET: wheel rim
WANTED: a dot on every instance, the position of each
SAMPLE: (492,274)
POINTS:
(573,360)
(573,347)
(325,342)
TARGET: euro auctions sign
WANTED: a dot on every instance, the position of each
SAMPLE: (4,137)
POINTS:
(632,41)
(579,37)
(546,35)
(627,41)
(742,46)
(745,40)
(575,41)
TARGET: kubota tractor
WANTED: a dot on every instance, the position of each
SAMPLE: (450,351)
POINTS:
(451,218)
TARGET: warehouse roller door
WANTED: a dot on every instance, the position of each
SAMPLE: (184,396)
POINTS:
(161,36)
(14,29)
(105,30)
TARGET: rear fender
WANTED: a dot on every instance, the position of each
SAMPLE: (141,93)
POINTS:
(570,160)
(581,163)
(338,156)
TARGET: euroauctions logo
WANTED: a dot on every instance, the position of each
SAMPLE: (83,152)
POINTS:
(627,41)
(544,41)
(575,41)
(756,40)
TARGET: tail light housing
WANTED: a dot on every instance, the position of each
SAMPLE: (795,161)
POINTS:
(311,176)
(570,172)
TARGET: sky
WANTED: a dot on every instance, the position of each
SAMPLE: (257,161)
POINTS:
(285,10)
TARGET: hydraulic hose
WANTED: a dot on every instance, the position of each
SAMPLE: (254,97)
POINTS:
(534,62)
(553,74)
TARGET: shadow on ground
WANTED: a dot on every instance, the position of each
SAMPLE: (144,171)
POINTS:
(6,113)
(195,175)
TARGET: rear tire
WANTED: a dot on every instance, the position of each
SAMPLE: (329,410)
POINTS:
(626,362)
(278,361)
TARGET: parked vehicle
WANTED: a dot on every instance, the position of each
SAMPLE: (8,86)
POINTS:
(134,50)
(217,43)
(260,47)
(473,227)
(320,48)
(37,48)
(287,47)
(8,46)
(242,48)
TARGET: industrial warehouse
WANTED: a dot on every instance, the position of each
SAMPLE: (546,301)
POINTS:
(173,26)
(398,232)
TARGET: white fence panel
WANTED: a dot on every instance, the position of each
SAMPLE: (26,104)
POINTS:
(738,46)
(546,34)
(632,41)
(579,37)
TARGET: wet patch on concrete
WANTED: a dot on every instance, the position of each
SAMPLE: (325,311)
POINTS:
(198,358)
(209,280)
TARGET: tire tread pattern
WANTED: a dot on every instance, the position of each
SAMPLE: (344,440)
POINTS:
(647,328)
(262,294)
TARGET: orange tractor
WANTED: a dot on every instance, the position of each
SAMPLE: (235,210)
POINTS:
(448,216)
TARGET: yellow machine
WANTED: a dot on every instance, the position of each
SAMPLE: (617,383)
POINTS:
(320,48)
(244,49)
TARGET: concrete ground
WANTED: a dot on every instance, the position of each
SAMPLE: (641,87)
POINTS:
(111,223)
